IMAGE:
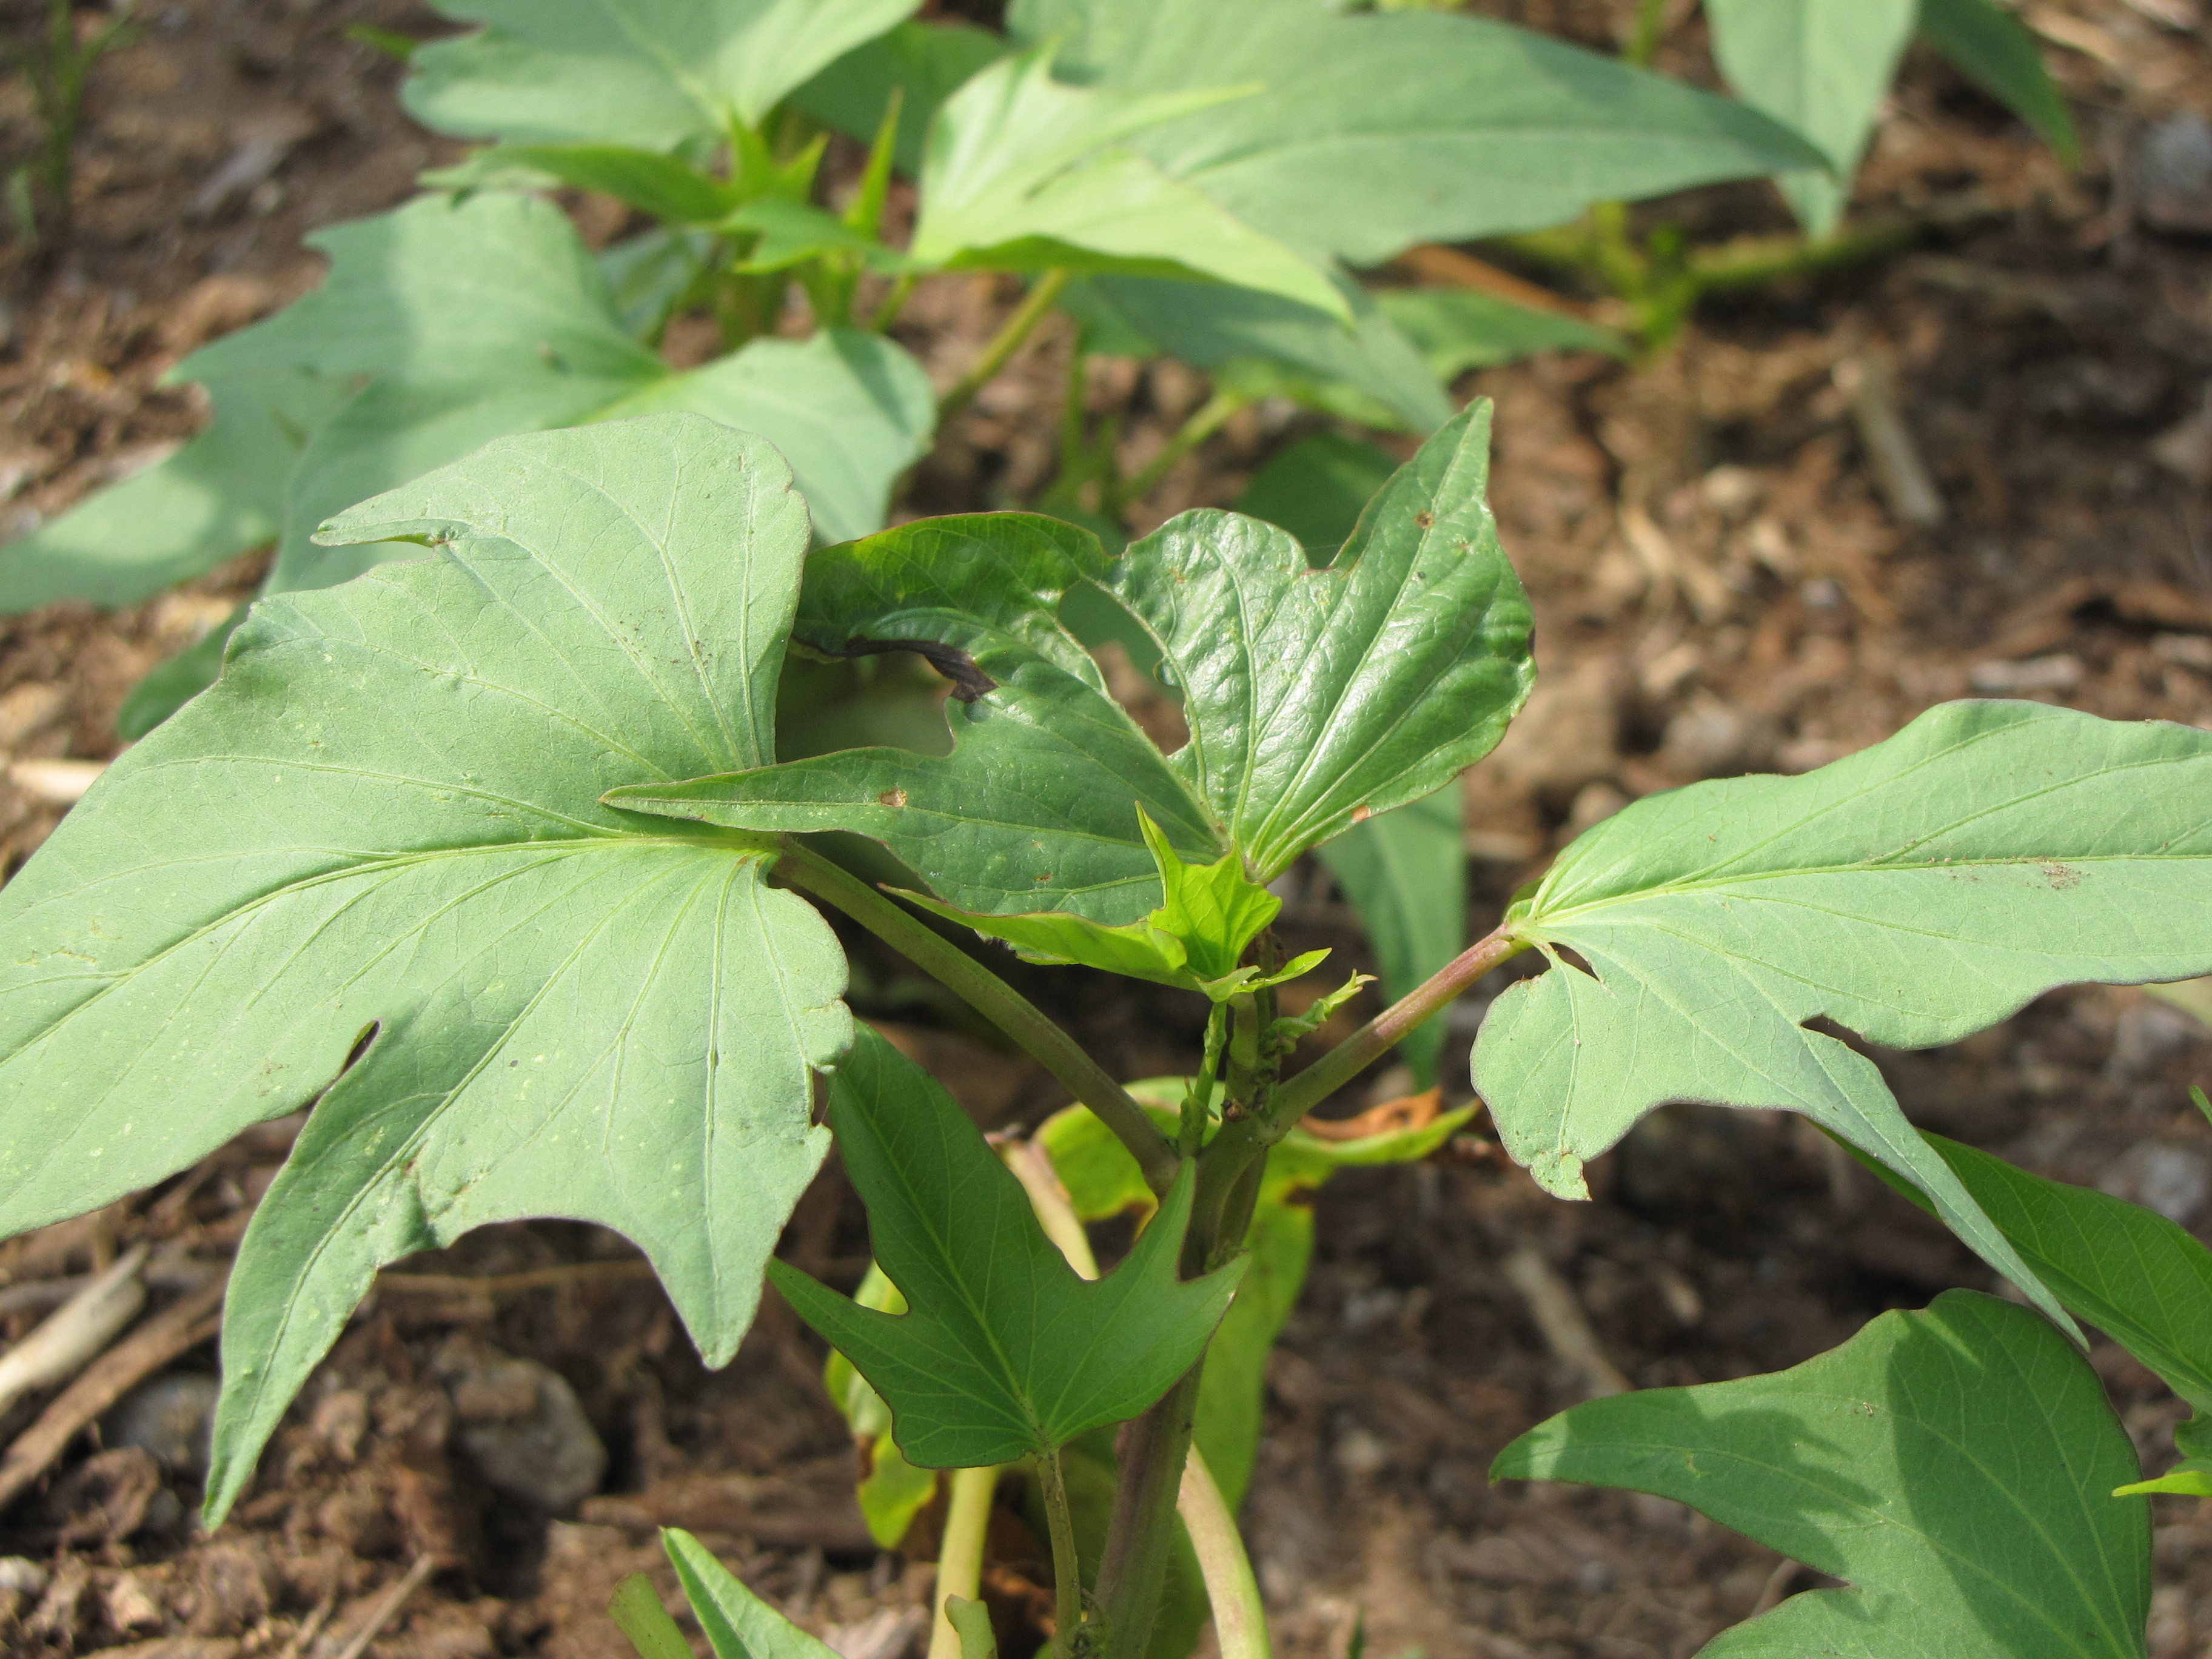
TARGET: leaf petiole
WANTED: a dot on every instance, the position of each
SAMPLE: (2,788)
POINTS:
(1066,1565)
(1005,343)
(993,997)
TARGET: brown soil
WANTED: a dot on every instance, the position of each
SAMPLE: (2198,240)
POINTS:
(1723,583)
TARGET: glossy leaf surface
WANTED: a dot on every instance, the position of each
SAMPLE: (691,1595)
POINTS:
(650,73)
(1954,1465)
(1314,698)
(1003,1351)
(738,1624)
(1376,132)
(1914,893)
(1821,68)
(371,869)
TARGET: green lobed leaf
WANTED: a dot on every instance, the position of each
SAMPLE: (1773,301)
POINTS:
(1953,1465)
(220,496)
(371,871)
(1210,326)
(1314,698)
(1822,68)
(647,73)
(1914,892)
(1995,49)
(1405,873)
(892,1491)
(1004,1351)
(738,1624)
(1103,1180)
(1023,171)
(1377,132)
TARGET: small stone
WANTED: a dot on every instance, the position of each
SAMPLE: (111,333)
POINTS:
(21,1576)
(2147,1035)
(1358,1453)
(131,1606)
(340,1420)
(169,1417)
(2172,165)
(521,1425)
(28,709)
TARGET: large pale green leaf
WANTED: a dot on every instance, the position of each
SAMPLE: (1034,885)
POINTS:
(1376,131)
(221,495)
(1314,698)
(1914,892)
(1208,326)
(1004,1351)
(1821,68)
(371,869)
(477,319)
(1406,873)
(1994,50)
(645,72)
(1955,1466)
(1023,172)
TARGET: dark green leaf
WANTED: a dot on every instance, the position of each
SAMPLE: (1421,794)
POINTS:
(1994,50)
(1406,873)
(1314,698)
(1914,892)
(1821,68)
(1315,490)
(221,495)
(1377,132)
(1209,326)
(371,869)
(738,1624)
(1103,1180)
(791,233)
(1456,330)
(1953,1465)
(668,188)
(1004,1351)
(648,73)
(892,1491)
(922,62)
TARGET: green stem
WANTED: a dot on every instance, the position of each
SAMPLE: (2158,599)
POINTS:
(893,302)
(1215,414)
(1066,1564)
(993,997)
(1240,1617)
(1294,1099)
(1005,343)
(960,1559)
(1644,43)
(1152,1453)
(1748,261)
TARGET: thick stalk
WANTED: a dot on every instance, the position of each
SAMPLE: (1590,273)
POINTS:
(1240,1617)
(1004,344)
(960,1560)
(993,997)
(1066,1564)
(1152,1452)
(1294,1099)
(893,302)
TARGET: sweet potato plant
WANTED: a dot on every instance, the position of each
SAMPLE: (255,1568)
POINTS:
(488,856)
(1194,181)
